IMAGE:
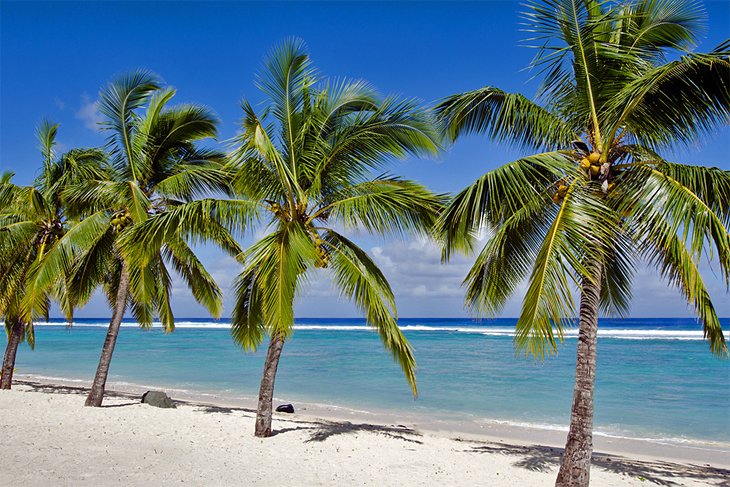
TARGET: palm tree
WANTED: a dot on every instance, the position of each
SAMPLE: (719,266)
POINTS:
(596,198)
(32,220)
(157,172)
(307,164)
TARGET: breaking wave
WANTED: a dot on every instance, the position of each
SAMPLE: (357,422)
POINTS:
(613,333)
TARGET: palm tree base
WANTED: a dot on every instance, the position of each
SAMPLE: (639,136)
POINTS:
(266,391)
(16,334)
(94,399)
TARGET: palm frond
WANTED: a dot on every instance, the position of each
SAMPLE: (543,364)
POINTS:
(581,230)
(504,117)
(273,265)
(46,135)
(287,77)
(385,205)
(59,260)
(653,194)
(196,277)
(248,327)
(654,26)
(677,102)
(117,103)
(617,276)
(205,220)
(192,181)
(497,195)
(508,256)
(666,250)
(710,184)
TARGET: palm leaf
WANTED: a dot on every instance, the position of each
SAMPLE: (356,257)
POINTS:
(384,205)
(505,117)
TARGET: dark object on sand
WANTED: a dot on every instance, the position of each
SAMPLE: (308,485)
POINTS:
(158,399)
(285,408)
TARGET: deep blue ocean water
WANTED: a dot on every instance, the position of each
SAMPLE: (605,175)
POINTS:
(656,377)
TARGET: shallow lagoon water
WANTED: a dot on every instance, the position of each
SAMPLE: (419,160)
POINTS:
(656,377)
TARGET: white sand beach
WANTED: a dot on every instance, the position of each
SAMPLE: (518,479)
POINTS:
(48,438)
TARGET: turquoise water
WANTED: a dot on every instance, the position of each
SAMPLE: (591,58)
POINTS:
(656,377)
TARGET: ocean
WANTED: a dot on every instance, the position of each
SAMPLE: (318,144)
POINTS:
(656,378)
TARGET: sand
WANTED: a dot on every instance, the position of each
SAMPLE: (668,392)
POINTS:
(47,437)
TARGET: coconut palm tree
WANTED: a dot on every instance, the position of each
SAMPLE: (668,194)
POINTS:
(157,170)
(32,220)
(596,198)
(307,163)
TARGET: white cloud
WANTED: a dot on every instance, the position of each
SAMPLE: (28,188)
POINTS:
(89,113)
(414,269)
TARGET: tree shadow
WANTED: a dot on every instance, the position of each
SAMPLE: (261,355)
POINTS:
(78,390)
(120,405)
(539,458)
(323,430)
(212,409)
(53,389)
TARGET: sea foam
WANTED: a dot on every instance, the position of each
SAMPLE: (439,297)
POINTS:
(613,333)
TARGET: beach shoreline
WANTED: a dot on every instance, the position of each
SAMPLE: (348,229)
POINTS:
(715,454)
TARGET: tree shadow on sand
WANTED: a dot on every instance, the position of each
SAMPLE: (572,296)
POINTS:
(323,430)
(81,391)
(540,458)
(212,409)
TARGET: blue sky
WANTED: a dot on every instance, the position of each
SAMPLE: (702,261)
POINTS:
(55,56)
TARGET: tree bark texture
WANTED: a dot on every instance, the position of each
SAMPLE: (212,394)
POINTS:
(266,392)
(16,336)
(96,395)
(575,466)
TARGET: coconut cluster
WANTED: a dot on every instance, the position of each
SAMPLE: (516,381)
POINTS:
(560,194)
(592,165)
(120,220)
(323,256)
(596,170)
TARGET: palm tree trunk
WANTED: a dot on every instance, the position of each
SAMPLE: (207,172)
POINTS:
(96,395)
(16,335)
(575,467)
(266,392)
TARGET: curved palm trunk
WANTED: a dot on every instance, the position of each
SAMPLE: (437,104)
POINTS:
(575,467)
(96,395)
(16,335)
(266,392)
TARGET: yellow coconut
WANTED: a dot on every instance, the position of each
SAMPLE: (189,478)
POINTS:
(595,170)
(556,198)
(594,157)
(585,163)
